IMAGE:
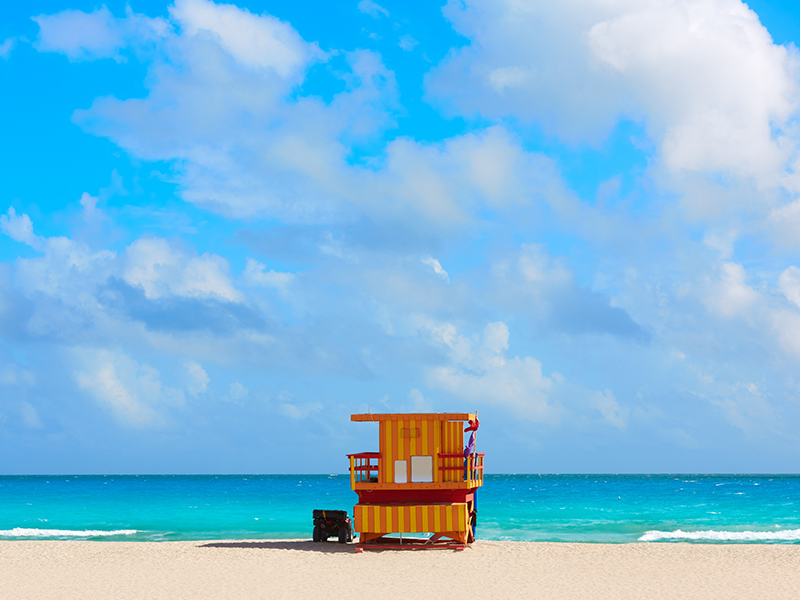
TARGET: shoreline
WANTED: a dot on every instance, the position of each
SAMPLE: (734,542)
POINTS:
(300,569)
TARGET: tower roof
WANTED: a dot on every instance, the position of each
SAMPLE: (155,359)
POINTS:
(415,416)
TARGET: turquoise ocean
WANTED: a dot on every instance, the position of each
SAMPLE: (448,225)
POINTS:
(562,508)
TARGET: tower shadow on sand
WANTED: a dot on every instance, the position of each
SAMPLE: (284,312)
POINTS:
(302,545)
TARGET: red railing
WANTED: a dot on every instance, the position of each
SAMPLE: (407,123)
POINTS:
(475,465)
(361,467)
(473,470)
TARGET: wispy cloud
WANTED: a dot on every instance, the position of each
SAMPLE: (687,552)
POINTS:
(437,268)
(368,7)
(7,46)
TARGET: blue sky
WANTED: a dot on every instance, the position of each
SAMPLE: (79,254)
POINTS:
(227,227)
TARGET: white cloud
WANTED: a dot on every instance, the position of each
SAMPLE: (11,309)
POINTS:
(716,88)
(529,60)
(730,295)
(537,267)
(368,7)
(722,242)
(7,46)
(418,403)
(244,144)
(508,78)
(68,270)
(300,411)
(95,35)
(187,307)
(408,43)
(746,408)
(13,374)
(546,291)
(19,228)
(71,270)
(481,373)
(199,378)
(236,393)
(80,35)
(437,268)
(261,41)
(290,407)
(448,182)
(784,222)
(704,75)
(90,211)
(161,270)
(752,311)
(30,416)
(785,326)
(256,274)
(606,404)
(789,282)
(133,392)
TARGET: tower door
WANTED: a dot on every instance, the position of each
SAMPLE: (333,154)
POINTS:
(452,442)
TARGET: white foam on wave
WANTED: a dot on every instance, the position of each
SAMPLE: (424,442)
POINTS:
(20,532)
(788,535)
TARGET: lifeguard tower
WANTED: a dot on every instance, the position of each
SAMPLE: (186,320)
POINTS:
(422,480)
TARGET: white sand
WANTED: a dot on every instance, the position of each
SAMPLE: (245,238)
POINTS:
(65,570)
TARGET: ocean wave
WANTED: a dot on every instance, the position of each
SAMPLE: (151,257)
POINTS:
(788,535)
(19,532)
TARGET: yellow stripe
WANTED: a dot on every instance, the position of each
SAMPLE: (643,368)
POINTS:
(413,439)
(425,438)
(391,518)
(406,442)
(389,466)
(444,451)
(402,442)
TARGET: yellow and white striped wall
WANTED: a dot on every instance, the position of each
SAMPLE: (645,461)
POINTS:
(400,439)
(416,518)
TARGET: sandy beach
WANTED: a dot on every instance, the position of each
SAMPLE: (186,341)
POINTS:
(302,569)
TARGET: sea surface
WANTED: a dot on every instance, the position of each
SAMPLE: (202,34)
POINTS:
(558,508)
